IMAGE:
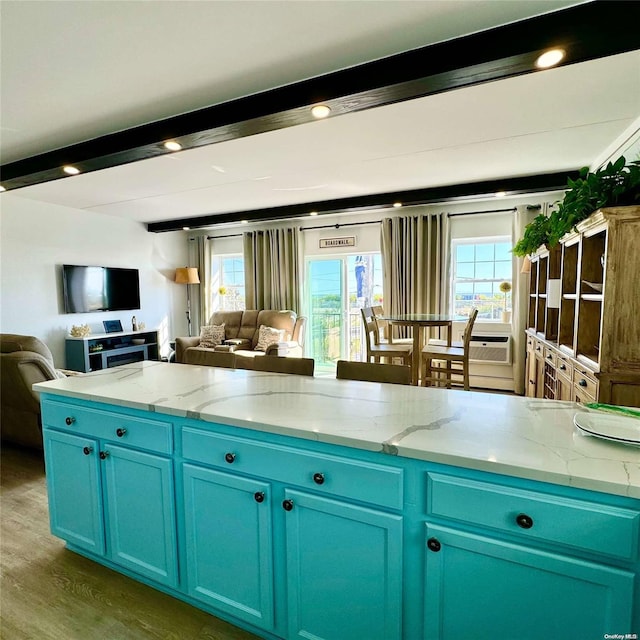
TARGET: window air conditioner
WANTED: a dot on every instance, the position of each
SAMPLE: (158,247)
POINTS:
(489,348)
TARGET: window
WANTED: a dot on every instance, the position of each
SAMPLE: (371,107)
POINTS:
(479,267)
(228,283)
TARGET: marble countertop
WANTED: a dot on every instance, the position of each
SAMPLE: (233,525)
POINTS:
(515,436)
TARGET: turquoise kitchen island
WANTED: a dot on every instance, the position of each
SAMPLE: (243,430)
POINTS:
(299,507)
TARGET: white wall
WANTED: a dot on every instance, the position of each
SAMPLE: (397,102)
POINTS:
(37,238)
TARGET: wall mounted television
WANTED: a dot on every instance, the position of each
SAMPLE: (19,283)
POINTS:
(87,288)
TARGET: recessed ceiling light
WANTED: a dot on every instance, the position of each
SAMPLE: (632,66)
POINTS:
(397,204)
(244,222)
(172,145)
(313,213)
(320,111)
(550,58)
(500,194)
(69,169)
(2,188)
(186,228)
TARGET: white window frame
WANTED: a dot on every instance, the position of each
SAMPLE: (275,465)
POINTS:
(234,298)
(454,279)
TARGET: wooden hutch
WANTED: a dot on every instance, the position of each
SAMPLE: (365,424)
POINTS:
(583,335)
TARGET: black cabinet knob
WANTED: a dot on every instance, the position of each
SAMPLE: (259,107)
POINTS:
(524,521)
(549,357)
(259,496)
(287,505)
(434,544)
(120,432)
(563,368)
(582,383)
(87,450)
(69,420)
(318,478)
(229,457)
(103,455)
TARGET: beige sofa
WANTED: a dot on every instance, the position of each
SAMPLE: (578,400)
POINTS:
(242,330)
(24,360)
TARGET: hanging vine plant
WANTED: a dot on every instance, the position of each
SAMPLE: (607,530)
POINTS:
(615,185)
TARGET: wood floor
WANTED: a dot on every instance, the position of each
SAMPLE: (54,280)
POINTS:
(49,593)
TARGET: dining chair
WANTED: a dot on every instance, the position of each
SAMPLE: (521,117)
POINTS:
(376,349)
(385,330)
(277,364)
(455,360)
(373,372)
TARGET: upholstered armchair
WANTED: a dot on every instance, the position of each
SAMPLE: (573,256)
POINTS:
(24,360)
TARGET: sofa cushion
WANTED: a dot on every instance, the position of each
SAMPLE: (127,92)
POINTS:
(212,335)
(268,336)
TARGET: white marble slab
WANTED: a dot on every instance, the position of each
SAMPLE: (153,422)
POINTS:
(516,436)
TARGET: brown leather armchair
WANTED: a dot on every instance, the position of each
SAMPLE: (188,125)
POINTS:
(24,360)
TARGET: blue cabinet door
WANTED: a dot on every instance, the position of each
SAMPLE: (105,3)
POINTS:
(74,488)
(229,543)
(140,513)
(482,588)
(344,570)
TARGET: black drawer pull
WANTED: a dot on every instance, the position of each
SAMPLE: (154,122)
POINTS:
(583,383)
(87,450)
(259,496)
(69,420)
(103,455)
(318,478)
(434,544)
(549,357)
(563,367)
(120,432)
(524,521)
(229,457)
(287,505)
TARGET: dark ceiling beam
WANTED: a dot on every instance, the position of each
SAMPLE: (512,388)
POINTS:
(586,31)
(511,186)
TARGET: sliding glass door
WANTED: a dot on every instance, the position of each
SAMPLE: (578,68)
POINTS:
(337,288)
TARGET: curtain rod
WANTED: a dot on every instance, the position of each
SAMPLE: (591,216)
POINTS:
(338,225)
(471,213)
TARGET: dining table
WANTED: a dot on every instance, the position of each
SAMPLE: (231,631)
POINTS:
(418,322)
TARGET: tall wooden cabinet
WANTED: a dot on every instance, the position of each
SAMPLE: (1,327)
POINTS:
(583,335)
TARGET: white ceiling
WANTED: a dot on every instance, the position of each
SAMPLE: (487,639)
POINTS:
(72,71)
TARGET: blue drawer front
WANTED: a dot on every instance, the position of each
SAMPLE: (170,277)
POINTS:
(362,481)
(592,527)
(153,435)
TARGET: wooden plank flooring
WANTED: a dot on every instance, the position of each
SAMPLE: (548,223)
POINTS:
(49,593)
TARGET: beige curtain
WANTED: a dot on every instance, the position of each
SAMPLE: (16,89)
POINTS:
(272,269)
(204,264)
(520,295)
(415,257)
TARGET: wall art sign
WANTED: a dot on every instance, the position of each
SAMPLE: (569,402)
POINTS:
(333,243)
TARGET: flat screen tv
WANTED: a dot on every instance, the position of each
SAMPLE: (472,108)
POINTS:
(87,289)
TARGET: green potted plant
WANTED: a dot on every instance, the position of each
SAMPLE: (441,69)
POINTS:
(615,185)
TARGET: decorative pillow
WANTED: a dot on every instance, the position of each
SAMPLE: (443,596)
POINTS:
(268,336)
(211,335)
